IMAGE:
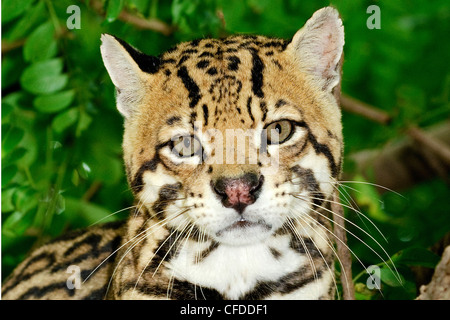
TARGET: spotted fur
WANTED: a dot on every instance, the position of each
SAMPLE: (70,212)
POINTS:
(203,229)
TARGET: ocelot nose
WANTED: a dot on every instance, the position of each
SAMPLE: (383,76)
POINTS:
(238,193)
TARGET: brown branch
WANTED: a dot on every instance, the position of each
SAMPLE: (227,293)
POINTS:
(353,105)
(146,24)
(343,253)
(8,46)
(437,147)
(402,164)
(140,23)
(93,189)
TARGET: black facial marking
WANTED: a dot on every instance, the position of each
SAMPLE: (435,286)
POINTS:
(280,103)
(212,71)
(203,64)
(172,120)
(263,107)
(191,86)
(205,114)
(249,108)
(320,148)
(137,184)
(309,183)
(257,75)
(206,54)
(234,63)
(167,194)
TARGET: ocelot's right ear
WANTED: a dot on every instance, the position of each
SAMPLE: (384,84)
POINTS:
(128,69)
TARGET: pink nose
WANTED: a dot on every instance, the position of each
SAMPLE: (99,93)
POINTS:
(240,192)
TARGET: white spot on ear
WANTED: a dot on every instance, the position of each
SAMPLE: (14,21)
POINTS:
(318,47)
(124,73)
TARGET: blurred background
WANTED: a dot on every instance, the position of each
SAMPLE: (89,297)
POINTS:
(61,133)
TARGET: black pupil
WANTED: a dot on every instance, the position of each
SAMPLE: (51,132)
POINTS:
(278,128)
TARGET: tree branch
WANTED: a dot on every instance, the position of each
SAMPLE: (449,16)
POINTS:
(436,146)
(343,253)
(353,105)
(140,23)
(402,164)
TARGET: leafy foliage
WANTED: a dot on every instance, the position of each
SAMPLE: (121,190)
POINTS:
(61,133)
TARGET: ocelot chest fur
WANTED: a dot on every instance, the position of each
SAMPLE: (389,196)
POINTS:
(232,149)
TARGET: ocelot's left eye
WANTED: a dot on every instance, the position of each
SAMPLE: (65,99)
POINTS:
(279,131)
(186,146)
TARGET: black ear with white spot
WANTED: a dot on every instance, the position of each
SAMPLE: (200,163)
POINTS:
(127,68)
(318,47)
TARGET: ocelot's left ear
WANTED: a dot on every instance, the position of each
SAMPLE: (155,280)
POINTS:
(128,68)
(318,48)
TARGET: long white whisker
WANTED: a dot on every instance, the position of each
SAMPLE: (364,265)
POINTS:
(327,241)
(299,237)
(161,224)
(353,209)
(363,242)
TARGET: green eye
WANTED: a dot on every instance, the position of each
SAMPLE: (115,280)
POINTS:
(186,146)
(279,131)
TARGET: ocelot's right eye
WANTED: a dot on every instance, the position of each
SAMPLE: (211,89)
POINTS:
(186,146)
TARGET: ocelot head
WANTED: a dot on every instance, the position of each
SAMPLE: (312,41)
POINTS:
(235,138)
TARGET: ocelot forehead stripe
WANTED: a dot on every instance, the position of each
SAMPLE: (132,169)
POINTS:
(257,75)
(191,86)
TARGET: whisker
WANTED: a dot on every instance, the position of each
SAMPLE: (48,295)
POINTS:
(352,223)
(375,185)
(328,242)
(299,237)
(173,270)
(363,242)
(351,251)
(110,215)
(353,209)
(161,224)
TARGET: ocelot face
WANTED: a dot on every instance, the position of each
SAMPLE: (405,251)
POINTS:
(230,139)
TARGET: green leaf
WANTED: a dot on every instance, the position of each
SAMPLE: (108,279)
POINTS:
(7,200)
(7,109)
(388,277)
(41,44)
(65,120)
(368,197)
(416,256)
(12,9)
(113,10)
(12,67)
(83,123)
(55,102)
(16,155)
(8,174)
(11,139)
(86,213)
(32,16)
(10,224)
(44,77)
